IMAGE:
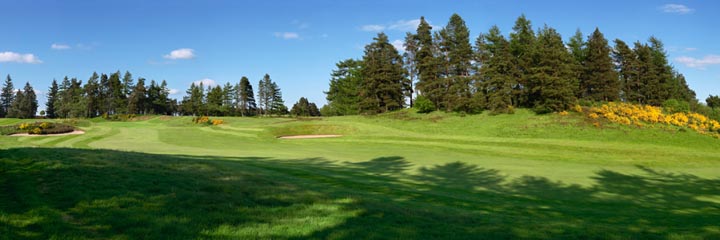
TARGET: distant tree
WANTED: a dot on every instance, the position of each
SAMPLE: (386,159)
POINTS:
(459,57)
(344,94)
(52,97)
(137,102)
(578,50)
(498,72)
(265,94)
(30,103)
(626,62)
(429,84)
(246,98)
(650,86)
(383,75)
(713,101)
(194,100)
(118,99)
(552,83)
(409,59)
(214,101)
(7,97)
(423,105)
(127,84)
(228,105)
(277,104)
(93,96)
(16,107)
(522,42)
(304,108)
(599,81)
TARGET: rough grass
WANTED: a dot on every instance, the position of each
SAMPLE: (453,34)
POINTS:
(401,176)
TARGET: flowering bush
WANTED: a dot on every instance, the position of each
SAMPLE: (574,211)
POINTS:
(207,121)
(639,115)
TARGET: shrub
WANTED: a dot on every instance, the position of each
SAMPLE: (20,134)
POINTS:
(423,105)
(676,106)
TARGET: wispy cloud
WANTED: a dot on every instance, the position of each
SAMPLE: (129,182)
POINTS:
(19,57)
(372,28)
(182,53)
(287,35)
(676,9)
(699,63)
(58,46)
(173,91)
(401,25)
(206,82)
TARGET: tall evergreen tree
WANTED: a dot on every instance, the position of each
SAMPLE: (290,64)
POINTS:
(578,50)
(647,75)
(137,102)
(522,41)
(551,84)
(429,84)
(599,81)
(265,94)
(410,61)
(27,102)
(277,104)
(52,97)
(498,71)
(459,57)
(344,94)
(228,105)
(16,107)
(246,98)
(214,101)
(7,96)
(93,95)
(627,66)
(713,101)
(381,89)
(117,99)
(127,84)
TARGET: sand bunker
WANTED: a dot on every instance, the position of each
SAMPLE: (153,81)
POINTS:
(308,136)
(76,132)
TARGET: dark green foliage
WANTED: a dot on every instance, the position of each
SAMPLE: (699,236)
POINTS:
(522,42)
(51,99)
(193,103)
(628,68)
(599,81)
(423,105)
(24,104)
(214,101)
(409,59)
(429,83)
(459,53)
(498,72)
(277,104)
(137,102)
(245,98)
(551,84)
(675,106)
(713,101)
(344,93)
(304,108)
(7,96)
(93,96)
(265,94)
(381,89)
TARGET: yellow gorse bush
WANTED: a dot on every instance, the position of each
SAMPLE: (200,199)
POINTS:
(638,115)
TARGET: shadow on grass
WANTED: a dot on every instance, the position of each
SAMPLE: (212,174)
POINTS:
(76,193)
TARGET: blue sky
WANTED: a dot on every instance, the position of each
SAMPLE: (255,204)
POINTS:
(299,42)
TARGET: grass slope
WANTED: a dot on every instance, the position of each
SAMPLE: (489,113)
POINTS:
(396,176)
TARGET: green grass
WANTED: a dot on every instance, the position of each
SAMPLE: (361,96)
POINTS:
(397,176)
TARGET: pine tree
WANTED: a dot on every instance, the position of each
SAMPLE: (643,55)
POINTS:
(599,81)
(343,96)
(246,98)
(214,101)
(52,97)
(627,68)
(498,72)
(578,50)
(522,41)
(301,108)
(647,75)
(277,104)
(713,101)
(16,107)
(551,84)
(29,103)
(93,96)
(228,105)
(429,83)
(127,84)
(381,89)
(7,97)
(459,57)
(265,94)
(137,102)
(117,99)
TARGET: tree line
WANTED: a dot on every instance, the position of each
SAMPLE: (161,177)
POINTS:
(109,95)
(530,69)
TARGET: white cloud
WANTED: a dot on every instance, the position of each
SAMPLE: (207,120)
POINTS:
(19,57)
(676,8)
(373,28)
(174,91)
(690,49)
(58,46)
(205,82)
(401,25)
(398,44)
(182,53)
(699,63)
(287,35)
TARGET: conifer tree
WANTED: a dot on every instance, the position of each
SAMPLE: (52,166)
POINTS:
(627,68)
(599,81)
(522,41)
(265,94)
(647,75)
(7,96)
(52,97)
(246,98)
(551,84)
(498,72)
(410,61)
(214,101)
(429,83)
(277,104)
(93,96)
(381,89)
(137,102)
(459,56)
(343,96)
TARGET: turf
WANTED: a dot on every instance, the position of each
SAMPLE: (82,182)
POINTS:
(396,176)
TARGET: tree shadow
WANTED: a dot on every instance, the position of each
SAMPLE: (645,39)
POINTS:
(78,193)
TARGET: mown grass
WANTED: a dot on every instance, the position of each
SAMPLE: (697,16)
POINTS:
(396,176)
